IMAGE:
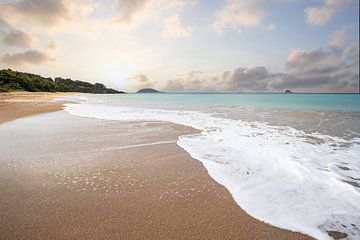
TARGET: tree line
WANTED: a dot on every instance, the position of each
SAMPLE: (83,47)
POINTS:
(21,81)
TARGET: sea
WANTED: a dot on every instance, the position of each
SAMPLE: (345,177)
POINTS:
(290,160)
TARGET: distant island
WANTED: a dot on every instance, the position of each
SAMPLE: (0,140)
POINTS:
(21,81)
(288,91)
(148,90)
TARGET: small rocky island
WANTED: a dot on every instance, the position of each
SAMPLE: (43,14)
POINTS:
(288,91)
(148,90)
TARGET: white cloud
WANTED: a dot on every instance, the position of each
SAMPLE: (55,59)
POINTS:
(340,39)
(173,28)
(318,16)
(132,13)
(239,15)
(139,81)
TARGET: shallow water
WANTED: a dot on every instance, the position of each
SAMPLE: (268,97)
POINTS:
(295,166)
(333,114)
(343,102)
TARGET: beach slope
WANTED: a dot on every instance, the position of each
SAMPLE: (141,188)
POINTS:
(67,177)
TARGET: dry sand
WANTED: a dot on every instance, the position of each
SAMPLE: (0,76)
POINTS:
(90,189)
(20,104)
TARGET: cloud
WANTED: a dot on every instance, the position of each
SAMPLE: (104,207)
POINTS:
(173,28)
(335,69)
(318,16)
(241,79)
(49,13)
(18,38)
(192,81)
(303,58)
(3,23)
(132,13)
(139,81)
(238,15)
(31,57)
(331,69)
(245,79)
(130,10)
(340,39)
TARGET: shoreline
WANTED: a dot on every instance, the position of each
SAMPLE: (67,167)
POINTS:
(145,186)
(20,104)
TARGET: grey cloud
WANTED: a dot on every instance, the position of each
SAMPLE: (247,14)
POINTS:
(140,81)
(3,23)
(300,58)
(302,81)
(307,70)
(18,38)
(320,70)
(128,9)
(33,57)
(49,13)
(192,81)
(237,80)
(321,82)
(246,79)
(311,70)
(177,85)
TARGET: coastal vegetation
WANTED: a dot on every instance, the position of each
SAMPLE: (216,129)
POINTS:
(21,81)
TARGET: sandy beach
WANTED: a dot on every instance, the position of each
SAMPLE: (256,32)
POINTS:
(67,177)
(20,104)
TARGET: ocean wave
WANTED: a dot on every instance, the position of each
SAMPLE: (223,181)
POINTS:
(288,178)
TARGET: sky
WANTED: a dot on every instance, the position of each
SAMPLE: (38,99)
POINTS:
(186,45)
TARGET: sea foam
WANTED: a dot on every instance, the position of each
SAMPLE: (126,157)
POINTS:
(285,177)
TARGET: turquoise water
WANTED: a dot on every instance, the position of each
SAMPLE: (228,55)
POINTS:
(332,114)
(345,102)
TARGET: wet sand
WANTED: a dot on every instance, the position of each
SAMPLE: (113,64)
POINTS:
(66,177)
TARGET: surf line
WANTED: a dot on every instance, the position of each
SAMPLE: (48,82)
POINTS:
(132,146)
(103,149)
